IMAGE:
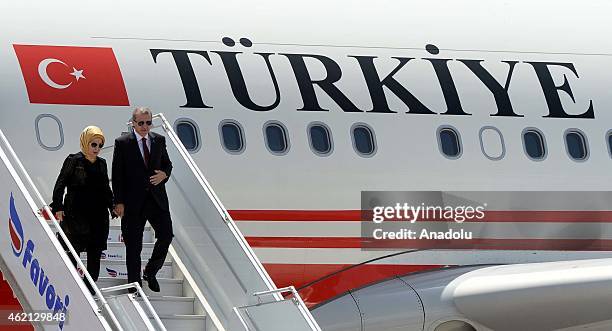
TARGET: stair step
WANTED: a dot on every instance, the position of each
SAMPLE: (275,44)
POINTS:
(118,269)
(114,234)
(183,322)
(116,251)
(169,286)
(172,305)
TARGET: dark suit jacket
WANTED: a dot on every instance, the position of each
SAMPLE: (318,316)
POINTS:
(131,175)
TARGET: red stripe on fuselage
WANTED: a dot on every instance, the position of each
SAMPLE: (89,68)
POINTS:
(483,244)
(296,215)
(544,216)
(318,283)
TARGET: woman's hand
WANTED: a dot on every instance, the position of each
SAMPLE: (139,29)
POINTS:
(119,209)
(59,216)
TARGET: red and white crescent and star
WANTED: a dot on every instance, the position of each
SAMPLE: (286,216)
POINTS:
(71,75)
(42,72)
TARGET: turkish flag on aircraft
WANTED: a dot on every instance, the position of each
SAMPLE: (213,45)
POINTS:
(72,75)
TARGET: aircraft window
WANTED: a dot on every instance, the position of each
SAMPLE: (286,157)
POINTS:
(232,137)
(449,142)
(576,145)
(534,144)
(188,133)
(49,132)
(610,142)
(455,326)
(276,138)
(363,140)
(320,139)
(492,143)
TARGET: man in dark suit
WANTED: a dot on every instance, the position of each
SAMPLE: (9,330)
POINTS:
(141,168)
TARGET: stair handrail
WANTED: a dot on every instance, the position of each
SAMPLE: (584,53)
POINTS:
(167,127)
(177,260)
(272,290)
(142,295)
(47,209)
(297,300)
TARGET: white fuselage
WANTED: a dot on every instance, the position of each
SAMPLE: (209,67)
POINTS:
(407,155)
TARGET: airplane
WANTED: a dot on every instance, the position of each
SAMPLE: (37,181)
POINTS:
(292,110)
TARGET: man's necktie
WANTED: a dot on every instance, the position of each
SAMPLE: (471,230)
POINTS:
(145,151)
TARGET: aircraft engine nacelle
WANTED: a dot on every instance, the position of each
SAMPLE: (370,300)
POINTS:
(563,295)
(411,303)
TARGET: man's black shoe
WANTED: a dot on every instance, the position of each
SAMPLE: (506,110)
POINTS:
(152,282)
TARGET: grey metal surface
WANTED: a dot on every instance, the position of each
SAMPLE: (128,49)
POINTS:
(273,316)
(340,314)
(389,305)
(546,296)
(133,316)
(429,286)
(566,295)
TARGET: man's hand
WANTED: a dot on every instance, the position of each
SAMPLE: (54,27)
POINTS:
(119,209)
(159,177)
(59,216)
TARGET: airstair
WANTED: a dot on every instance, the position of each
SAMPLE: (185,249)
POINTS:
(210,281)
